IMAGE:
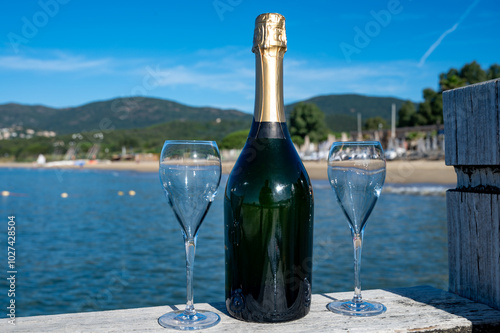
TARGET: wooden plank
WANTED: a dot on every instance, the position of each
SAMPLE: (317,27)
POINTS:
(474,251)
(417,309)
(485,105)
(453,242)
(472,124)
(450,128)
(465,250)
(495,248)
(461,125)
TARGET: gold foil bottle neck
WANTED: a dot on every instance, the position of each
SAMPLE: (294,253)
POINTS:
(269,32)
(269,47)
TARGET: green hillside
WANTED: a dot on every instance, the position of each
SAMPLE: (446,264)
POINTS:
(150,139)
(147,139)
(138,112)
(142,124)
(120,113)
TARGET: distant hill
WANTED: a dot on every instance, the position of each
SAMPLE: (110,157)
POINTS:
(138,112)
(142,124)
(121,113)
(341,110)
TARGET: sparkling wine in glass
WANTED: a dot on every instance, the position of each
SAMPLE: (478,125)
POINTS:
(356,171)
(190,173)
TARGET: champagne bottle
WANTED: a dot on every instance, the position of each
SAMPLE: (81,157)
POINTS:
(268,201)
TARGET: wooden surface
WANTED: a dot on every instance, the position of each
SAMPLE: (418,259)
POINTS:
(472,146)
(473,245)
(472,125)
(417,309)
(484,179)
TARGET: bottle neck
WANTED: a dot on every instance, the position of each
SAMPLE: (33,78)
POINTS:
(269,106)
(269,113)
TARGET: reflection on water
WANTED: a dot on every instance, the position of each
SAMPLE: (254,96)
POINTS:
(98,250)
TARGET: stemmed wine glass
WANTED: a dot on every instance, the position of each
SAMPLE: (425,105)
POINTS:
(356,171)
(190,173)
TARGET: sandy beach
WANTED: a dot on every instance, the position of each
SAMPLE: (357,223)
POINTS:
(398,172)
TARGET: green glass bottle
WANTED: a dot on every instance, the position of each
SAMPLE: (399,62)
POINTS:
(268,201)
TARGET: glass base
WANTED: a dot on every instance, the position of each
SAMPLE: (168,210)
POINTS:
(361,309)
(180,321)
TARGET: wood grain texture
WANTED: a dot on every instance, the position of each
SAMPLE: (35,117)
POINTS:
(472,124)
(484,179)
(417,309)
(450,127)
(472,130)
(473,245)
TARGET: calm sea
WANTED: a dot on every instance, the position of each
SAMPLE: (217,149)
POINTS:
(98,250)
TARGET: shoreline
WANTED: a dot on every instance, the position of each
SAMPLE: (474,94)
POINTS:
(398,172)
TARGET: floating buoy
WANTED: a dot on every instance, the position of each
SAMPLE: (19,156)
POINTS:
(64,195)
(5,193)
(120,193)
(131,192)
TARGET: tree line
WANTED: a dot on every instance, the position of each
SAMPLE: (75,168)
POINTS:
(430,111)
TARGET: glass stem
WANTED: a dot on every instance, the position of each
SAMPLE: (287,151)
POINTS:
(190,244)
(357,240)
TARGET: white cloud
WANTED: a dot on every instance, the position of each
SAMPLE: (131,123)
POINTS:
(61,63)
(376,78)
(203,75)
(222,77)
(302,79)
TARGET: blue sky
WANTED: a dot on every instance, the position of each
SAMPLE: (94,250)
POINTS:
(70,52)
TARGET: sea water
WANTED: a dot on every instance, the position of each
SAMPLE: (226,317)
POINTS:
(104,247)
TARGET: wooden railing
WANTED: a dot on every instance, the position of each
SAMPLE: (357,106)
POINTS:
(472,144)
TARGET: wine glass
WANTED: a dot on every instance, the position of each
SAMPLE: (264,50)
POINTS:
(356,171)
(190,173)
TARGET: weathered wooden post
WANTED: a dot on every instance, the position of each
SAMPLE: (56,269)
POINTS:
(472,146)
